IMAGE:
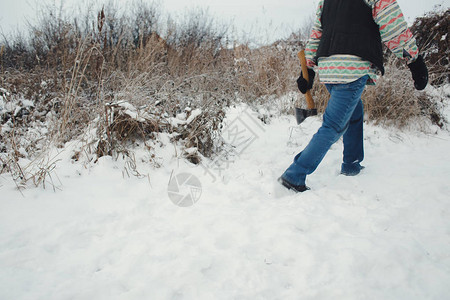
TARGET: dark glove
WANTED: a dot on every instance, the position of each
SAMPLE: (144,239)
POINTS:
(419,73)
(303,84)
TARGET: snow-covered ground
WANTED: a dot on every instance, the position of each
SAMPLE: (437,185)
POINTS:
(384,234)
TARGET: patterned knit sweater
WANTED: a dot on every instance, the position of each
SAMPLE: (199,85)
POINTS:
(347,68)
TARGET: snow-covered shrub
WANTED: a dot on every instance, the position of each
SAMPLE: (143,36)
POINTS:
(122,125)
(200,131)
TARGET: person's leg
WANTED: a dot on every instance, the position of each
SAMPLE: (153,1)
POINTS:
(343,101)
(353,143)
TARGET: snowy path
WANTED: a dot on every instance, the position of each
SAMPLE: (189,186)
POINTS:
(384,234)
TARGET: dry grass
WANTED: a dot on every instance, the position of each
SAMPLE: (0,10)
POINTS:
(77,71)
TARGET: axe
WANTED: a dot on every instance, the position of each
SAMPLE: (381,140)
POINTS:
(302,114)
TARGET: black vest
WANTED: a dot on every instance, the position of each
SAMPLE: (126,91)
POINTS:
(348,28)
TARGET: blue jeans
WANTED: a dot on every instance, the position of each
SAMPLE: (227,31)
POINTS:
(343,117)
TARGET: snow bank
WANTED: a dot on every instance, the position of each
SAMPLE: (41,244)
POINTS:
(384,234)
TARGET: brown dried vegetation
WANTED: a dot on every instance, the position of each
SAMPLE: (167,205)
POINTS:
(79,71)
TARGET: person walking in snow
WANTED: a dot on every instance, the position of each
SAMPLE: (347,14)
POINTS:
(345,46)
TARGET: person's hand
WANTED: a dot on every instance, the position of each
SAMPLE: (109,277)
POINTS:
(305,85)
(419,73)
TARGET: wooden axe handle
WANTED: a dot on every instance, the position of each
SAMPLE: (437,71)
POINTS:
(309,99)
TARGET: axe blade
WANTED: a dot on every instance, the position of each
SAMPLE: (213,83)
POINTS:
(302,114)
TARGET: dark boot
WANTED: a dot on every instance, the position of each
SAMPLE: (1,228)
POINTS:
(351,169)
(290,186)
